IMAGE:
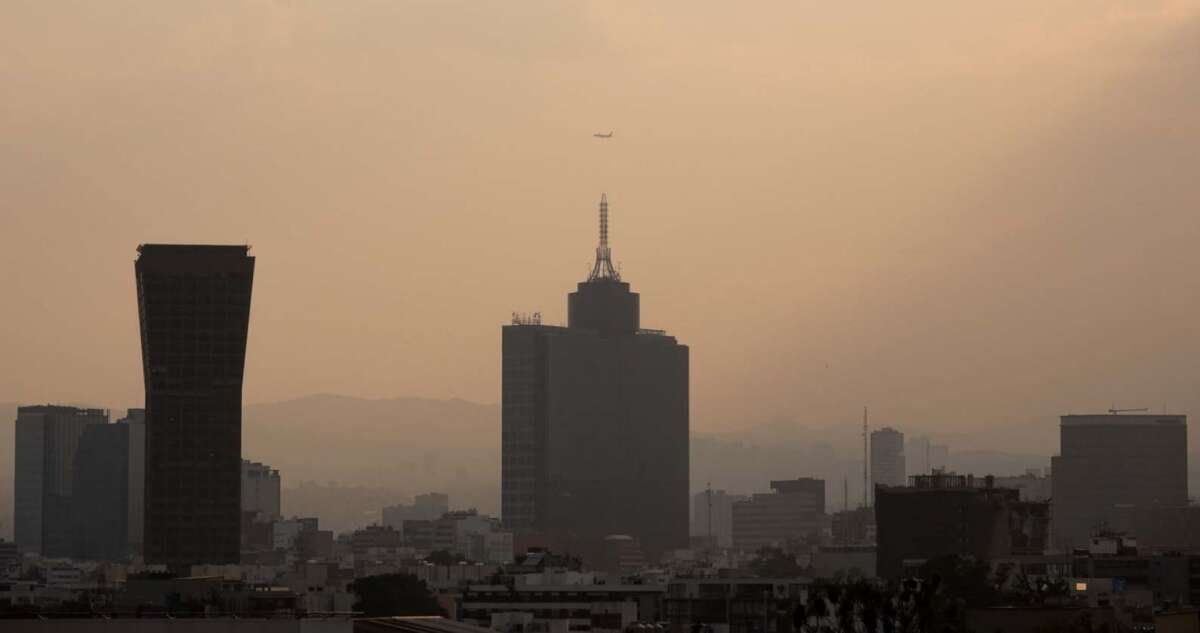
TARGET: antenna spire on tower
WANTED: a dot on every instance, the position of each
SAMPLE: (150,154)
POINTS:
(603,269)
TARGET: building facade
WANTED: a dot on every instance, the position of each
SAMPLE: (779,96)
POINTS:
(135,420)
(947,514)
(887,458)
(1111,464)
(853,527)
(100,498)
(595,422)
(260,491)
(734,605)
(426,507)
(194,308)
(712,517)
(792,512)
(47,439)
(610,608)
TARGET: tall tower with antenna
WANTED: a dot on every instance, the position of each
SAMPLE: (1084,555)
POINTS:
(595,423)
(604,303)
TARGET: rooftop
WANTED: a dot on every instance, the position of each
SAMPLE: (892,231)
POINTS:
(1124,419)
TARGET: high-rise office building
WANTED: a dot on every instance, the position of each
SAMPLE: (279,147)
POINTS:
(887,458)
(100,497)
(595,421)
(135,420)
(260,491)
(47,438)
(1111,464)
(194,308)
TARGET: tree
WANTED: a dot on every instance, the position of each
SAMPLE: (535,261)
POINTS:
(394,594)
(774,563)
(963,579)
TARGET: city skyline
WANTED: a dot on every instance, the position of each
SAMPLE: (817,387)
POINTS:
(891,326)
(896,227)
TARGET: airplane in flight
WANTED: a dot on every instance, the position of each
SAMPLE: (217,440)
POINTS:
(603,135)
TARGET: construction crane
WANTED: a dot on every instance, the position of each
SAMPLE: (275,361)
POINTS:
(1116,411)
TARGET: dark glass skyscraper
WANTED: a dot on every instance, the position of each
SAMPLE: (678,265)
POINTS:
(595,422)
(194,308)
(1115,466)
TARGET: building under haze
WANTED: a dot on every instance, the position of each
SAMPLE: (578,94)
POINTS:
(792,512)
(922,456)
(260,491)
(194,308)
(47,439)
(712,517)
(135,419)
(100,493)
(947,514)
(887,457)
(1112,465)
(595,422)
(425,507)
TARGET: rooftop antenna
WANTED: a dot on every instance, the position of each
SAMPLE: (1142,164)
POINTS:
(603,269)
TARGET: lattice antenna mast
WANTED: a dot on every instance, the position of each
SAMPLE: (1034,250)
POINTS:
(603,269)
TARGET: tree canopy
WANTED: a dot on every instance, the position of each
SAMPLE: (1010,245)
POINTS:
(394,594)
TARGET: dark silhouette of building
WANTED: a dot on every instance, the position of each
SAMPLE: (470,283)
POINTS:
(135,420)
(1163,529)
(261,490)
(595,422)
(947,514)
(1114,463)
(100,496)
(853,527)
(47,439)
(194,308)
(712,518)
(887,457)
(782,518)
(426,507)
(734,605)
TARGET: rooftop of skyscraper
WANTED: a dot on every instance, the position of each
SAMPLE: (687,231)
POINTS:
(1124,419)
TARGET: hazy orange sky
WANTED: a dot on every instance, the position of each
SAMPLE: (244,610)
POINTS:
(960,213)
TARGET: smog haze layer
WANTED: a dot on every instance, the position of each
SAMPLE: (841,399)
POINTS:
(968,217)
